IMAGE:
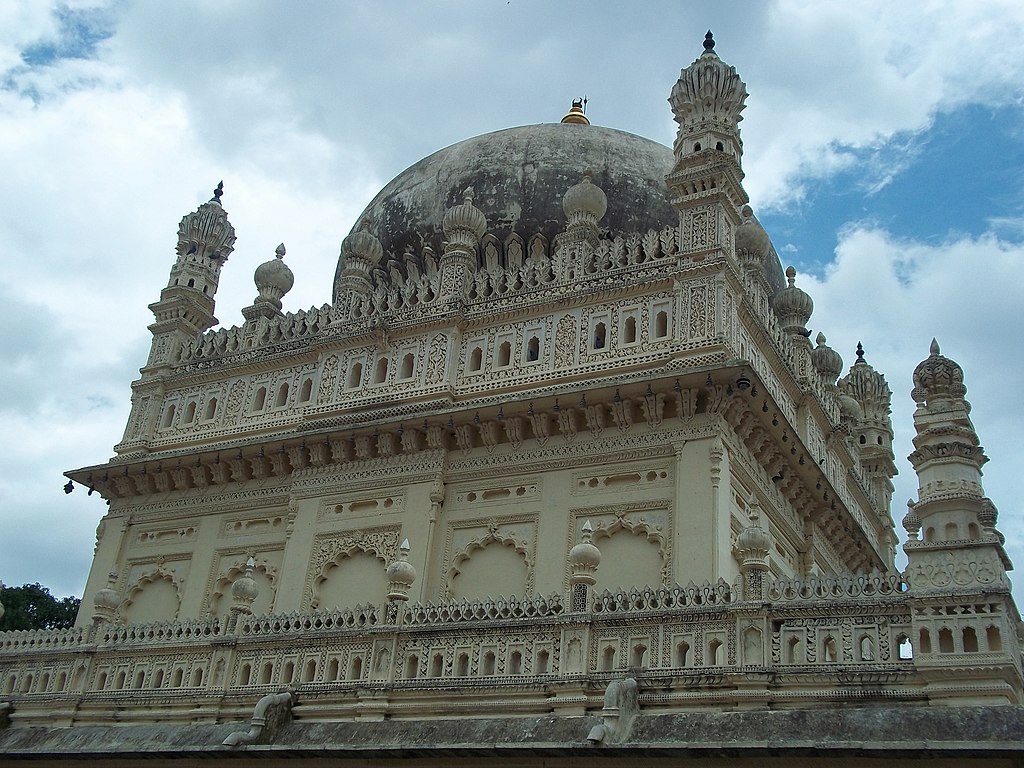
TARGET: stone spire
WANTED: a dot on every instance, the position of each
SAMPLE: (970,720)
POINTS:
(464,225)
(401,574)
(706,179)
(584,559)
(959,547)
(361,252)
(185,309)
(707,101)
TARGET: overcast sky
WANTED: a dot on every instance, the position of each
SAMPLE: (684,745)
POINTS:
(884,152)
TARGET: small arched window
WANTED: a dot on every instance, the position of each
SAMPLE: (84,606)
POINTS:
(504,353)
(476,359)
(260,401)
(408,361)
(380,371)
(190,412)
(488,665)
(682,654)
(515,663)
(543,658)
(533,349)
(282,396)
(661,325)
(169,416)
(599,336)
(412,666)
(211,408)
(307,391)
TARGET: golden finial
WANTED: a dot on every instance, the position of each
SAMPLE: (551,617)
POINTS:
(576,113)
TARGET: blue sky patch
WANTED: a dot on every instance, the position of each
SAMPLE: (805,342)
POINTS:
(80,32)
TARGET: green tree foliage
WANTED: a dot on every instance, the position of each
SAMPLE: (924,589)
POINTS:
(31,606)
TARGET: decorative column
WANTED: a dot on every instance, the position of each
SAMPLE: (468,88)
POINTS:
(584,559)
(107,603)
(751,552)
(244,592)
(401,575)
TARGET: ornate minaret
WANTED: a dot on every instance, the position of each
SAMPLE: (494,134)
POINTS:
(959,547)
(185,309)
(872,428)
(705,182)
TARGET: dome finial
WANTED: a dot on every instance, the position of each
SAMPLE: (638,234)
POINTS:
(280,251)
(709,42)
(860,353)
(934,348)
(577,113)
(218,192)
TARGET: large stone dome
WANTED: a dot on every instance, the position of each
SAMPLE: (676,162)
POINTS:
(519,177)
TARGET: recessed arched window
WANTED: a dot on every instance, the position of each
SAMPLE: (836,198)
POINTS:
(945,640)
(970,638)
(629,330)
(504,353)
(412,666)
(260,401)
(713,648)
(380,371)
(332,671)
(462,665)
(169,416)
(267,673)
(179,676)
(993,638)
(599,336)
(696,146)
(307,391)
(608,658)
(190,412)
(436,665)
(488,665)
(288,673)
(191,282)
(661,324)
(533,349)
(925,643)
(197,678)
(682,654)
(476,359)
(408,361)
(863,440)
(211,408)
(636,658)
(355,375)
(310,673)
(356,672)
(282,396)
(515,663)
(140,679)
(719,146)
(543,659)
(245,674)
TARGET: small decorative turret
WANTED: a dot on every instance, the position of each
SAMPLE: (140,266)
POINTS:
(872,431)
(463,226)
(826,361)
(707,101)
(361,252)
(751,551)
(753,245)
(401,575)
(793,306)
(273,280)
(584,559)
(107,603)
(585,205)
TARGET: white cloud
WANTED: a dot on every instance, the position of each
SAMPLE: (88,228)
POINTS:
(895,296)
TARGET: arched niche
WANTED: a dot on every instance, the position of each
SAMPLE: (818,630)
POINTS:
(490,568)
(354,577)
(154,597)
(631,556)
(265,578)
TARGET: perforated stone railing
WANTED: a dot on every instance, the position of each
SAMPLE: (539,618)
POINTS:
(707,594)
(158,632)
(500,609)
(359,617)
(42,639)
(867,586)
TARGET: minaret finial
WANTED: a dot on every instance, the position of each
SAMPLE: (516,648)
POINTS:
(709,41)
(934,348)
(218,192)
(860,353)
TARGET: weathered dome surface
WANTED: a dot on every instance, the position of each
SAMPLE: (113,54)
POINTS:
(519,177)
